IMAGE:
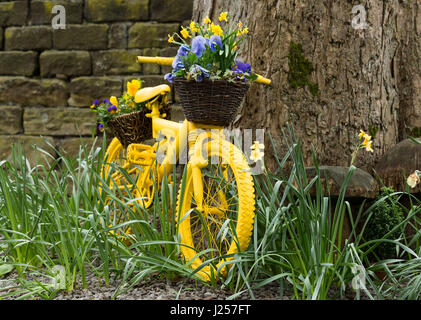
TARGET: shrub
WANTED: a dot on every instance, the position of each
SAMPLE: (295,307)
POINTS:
(385,217)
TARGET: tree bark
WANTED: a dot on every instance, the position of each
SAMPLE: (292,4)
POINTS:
(366,78)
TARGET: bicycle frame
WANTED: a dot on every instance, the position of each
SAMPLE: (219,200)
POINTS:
(179,136)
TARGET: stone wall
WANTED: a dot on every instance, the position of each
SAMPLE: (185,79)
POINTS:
(49,77)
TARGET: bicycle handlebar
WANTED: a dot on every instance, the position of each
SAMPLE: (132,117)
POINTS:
(168,62)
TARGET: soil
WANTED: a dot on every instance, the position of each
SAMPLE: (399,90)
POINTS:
(163,289)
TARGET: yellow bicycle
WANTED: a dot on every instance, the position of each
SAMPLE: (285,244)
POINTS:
(215,204)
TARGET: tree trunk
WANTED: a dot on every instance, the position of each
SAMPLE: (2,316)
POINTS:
(366,79)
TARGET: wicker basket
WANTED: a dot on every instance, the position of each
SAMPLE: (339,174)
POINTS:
(132,127)
(210,102)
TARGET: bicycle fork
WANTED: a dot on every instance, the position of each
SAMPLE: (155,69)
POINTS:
(197,162)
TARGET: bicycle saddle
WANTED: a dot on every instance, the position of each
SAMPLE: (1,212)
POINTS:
(151,92)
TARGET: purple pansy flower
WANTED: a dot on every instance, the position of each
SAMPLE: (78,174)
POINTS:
(177,64)
(199,73)
(112,108)
(215,41)
(198,45)
(183,50)
(170,77)
(241,69)
(96,102)
(101,127)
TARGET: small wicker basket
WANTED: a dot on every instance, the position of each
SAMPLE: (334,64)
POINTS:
(210,102)
(132,127)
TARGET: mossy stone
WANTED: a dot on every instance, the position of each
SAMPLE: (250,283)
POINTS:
(116,62)
(116,10)
(151,35)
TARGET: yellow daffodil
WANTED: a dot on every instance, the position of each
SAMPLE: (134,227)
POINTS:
(185,33)
(193,27)
(114,101)
(366,144)
(362,134)
(257,146)
(223,16)
(216,29)
(242,31)
(240,25)
(132,87)
(256,153)
(207,20)
(170,39)
(92,106)
(413,179)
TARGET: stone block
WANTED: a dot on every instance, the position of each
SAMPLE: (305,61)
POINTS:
(28,38)
(41,11)
(177,114)
(69,63)
(84,90)
(150,80)
(117,36)
(10,120)
(59,121)
(149,68)
(167,52)
(116,10)
(18,63)
(33,92)
(360,185)
(28,144)
(72,146)
(81,37)
(116,62)
(13,13)
(171,10)
(398,162)
(150,35)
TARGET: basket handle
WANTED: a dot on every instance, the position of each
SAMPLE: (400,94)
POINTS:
(163,61)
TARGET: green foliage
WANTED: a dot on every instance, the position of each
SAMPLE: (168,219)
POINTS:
(53,214)
(416,132)
(385,217)
(300,69)
(373,131)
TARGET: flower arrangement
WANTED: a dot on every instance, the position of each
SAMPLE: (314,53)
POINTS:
(108,109)
(212,53)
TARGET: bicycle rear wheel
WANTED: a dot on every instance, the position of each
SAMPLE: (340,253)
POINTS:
(224,221)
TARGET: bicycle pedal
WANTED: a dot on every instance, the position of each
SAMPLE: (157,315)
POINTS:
(140,154)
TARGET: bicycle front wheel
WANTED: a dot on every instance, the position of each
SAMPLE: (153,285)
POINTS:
(222,223)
